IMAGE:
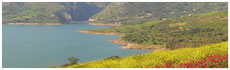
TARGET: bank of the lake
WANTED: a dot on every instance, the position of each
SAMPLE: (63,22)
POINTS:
(198,57)
(127,45)
(108,24)
(34,23)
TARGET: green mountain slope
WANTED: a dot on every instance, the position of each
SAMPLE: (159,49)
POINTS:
(175,33)
(31,12)
(134,12)
(124,13)
(49,12)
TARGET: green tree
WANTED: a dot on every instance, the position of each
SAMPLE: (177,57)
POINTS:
(73,60)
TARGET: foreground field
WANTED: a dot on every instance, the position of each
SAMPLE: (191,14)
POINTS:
(160,58)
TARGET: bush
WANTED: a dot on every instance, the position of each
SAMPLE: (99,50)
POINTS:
(65,65)
(112,57)
(73,60)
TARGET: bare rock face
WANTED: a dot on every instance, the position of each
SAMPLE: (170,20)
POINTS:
(82,11)
(67,16)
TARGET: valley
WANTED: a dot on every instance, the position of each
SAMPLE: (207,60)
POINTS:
(115,34)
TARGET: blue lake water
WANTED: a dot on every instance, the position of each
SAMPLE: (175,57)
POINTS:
(45,46)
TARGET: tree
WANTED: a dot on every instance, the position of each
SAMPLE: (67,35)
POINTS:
(73,60)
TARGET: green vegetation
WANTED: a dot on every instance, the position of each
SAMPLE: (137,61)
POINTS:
(158,58)
(175,33)
(134,13)
(31,12)
(191,37)
(49,12)
(115,12)
(73,60)
(112,57)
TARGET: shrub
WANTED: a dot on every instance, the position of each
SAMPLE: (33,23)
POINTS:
(73,60)
(112,57)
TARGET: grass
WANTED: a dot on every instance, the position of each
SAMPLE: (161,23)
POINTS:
(205,14)
(157,58)
(177,24)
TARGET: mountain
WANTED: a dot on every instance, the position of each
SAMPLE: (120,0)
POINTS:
(135,12)
(102,12)
(49,12)
(82,11)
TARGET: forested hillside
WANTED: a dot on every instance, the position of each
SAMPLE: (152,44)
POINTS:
(135,12)
(31,12)
(102,12)
(49,12)
(190,31)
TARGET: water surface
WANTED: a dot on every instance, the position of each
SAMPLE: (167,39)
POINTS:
(45,46)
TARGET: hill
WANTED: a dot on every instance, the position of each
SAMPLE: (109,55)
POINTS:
(49,12)
(192,31)
(117,13)
(136,12)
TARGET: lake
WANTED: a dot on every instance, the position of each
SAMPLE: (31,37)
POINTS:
(46,46)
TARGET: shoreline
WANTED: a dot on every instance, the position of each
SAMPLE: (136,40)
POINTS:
(128,45)
(34,23)
(101,24)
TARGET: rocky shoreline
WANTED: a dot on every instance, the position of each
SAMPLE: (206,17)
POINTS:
(101,24)
(87,32)
(34,23)
(128,45)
